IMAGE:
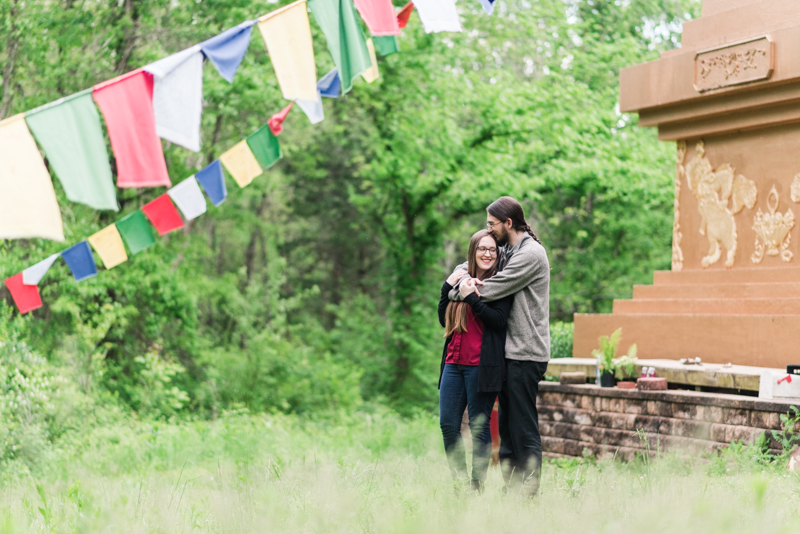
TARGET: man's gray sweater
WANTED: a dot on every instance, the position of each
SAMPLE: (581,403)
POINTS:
(526,275)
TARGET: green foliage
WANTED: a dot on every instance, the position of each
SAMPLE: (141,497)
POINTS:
(315,287)
(607,360)
(561,340)
(789,434)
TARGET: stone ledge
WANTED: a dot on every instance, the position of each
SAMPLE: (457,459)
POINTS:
(722,400)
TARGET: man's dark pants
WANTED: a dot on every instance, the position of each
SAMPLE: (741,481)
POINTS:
(520,441)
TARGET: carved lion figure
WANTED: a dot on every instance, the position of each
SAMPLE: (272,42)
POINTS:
(713,191)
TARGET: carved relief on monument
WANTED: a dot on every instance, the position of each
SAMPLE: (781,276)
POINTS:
(772,230)
(795,191)
(677,236)
(733,64)
(713,189)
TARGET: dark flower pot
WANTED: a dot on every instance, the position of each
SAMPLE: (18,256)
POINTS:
(607,379)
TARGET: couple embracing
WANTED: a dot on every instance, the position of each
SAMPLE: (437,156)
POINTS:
(495,311)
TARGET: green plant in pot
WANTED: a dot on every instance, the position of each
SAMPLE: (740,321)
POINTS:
(608,365)
(625,369)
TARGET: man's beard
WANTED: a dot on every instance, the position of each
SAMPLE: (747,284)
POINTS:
(502,238)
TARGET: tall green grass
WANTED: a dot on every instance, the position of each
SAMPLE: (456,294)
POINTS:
(369,472)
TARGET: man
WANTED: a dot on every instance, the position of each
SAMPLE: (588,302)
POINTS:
(525,273)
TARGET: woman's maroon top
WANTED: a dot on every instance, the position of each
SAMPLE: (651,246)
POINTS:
(465,347)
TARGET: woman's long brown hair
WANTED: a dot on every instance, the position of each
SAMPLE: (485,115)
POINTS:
(456,314)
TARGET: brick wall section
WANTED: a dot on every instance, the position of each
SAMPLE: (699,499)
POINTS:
(605,421)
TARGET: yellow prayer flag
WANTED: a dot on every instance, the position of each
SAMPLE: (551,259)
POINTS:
(371,74)
(287,33)
(241,163)
(28,204)
(108,244)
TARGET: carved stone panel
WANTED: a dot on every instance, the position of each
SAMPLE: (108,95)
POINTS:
(677,236)
(734,64)
(720,194)
(772,230)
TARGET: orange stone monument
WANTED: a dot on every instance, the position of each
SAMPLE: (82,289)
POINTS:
(730,99)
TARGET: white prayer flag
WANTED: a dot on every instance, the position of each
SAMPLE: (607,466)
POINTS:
(438,15)
(178,97)
(34,274)
(189,199)
(313,109)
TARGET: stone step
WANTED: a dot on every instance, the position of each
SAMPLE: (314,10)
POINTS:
(743,377)
(732,306)
(718,291)
(755,340)
(728,276)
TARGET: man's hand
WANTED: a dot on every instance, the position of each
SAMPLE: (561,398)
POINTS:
(469,285)
(457,275)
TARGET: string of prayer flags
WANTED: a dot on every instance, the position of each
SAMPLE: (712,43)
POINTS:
(287,34)
(438,15)
(313,109)
(386,45)
(329,84)
(28,204)
(488,6)
(379,16)
(265,147)
(346,41)
(34,274)
(108,245)
(80,261)
(213,182)
(127,105)
(136,232)
(241,163)
(163,215)
(71,135)
(404,14)
(178,97)
(276,121)
(189,199)
(26,297)
(227,49)
(371,74)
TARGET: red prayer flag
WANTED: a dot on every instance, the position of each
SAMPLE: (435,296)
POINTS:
(163,214)
(405,14)
(26,298)
(276,121)
(127,106)
(379,16)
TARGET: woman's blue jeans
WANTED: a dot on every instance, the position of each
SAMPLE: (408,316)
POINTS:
(459,390)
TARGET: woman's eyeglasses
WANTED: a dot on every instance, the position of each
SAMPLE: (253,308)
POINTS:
(484,250)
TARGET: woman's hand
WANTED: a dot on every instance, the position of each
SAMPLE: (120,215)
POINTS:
(468,286)
(457,275)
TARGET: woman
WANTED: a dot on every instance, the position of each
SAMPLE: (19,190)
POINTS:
(472,369)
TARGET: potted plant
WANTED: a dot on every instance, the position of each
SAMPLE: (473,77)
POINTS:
(625,369)
(607,362)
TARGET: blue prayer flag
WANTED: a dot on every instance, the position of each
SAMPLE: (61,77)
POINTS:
(488,5)
(213,182)
(227,49)
(80,261)
(329,84)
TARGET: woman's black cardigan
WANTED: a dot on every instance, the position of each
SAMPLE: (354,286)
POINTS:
(493,315)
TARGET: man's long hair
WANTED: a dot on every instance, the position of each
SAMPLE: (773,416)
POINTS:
(456,314)
(505,208)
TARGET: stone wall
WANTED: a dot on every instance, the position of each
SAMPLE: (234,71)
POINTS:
(605,421)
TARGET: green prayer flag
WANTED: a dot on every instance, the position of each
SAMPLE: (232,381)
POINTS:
(386,44)
(69,132)
(346,41)
(136,232)
(265,147)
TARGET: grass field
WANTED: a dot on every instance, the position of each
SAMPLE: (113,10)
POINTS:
(368,473)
